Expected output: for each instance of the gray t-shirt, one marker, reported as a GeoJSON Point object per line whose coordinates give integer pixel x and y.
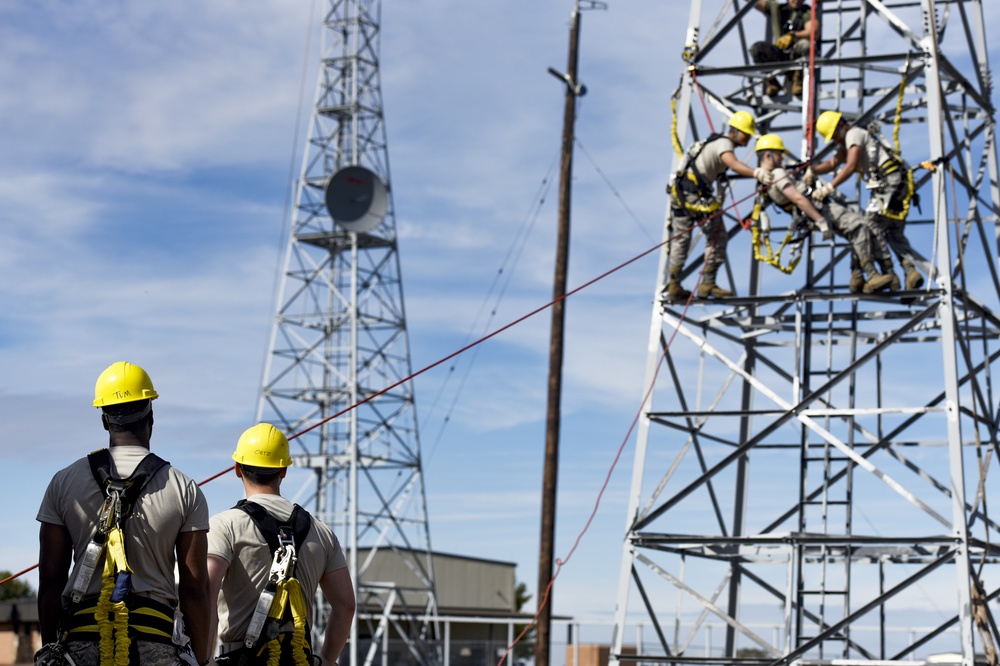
{"type": "Point", "coordinates": [237, 540]}
{"type": "Point", "coordinates": [871, 147]}
{"type": "Point", "coordinates": [781, 181]}
{"type": "Point", "coordinates": [709, 161]}
{"type": "Point", "coordinates": [170, 504]}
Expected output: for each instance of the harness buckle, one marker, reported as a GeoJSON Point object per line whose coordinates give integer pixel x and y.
{"type": "Point", "coordinates": [284, 557]}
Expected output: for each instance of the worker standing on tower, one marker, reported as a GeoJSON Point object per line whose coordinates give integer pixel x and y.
{"type": "Point", "coordinates": [268, 556]}
{"type": "Point", "coordinates": [789, 193]}
{"type": "Point", "coordinates": [885, 173]}
{"type": "Point", "coordinates": [793, 30]}
{"type": "Point", "coordinates": [123, 517]}
{"type": "Point", "coordinates": [696, 191]}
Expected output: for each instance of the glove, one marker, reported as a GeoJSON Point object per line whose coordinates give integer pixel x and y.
{"type": "Point", "coordinates": [809, 177]}
{"type": "Point", "coordinates": [763, 176]}
{"type": "Point", "coordinates": [824, 226]}
{"type": "Point", "coordinates": [784, 41]}
{"type": "Point", "coordinates": [822, 191]}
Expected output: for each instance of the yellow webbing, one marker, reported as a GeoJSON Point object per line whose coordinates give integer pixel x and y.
{"type": "Point", "coordinates": [289, 592]}
{"type": "Point", "coordinates": [673, 127]}
{"type": "Point", "coordinates": [114, 644]}
{"type": "Point", "coordinates": [768, 256]}
{"type": "Point", "coordinates": [694, 208]}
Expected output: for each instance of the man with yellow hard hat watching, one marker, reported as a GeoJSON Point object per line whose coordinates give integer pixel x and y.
{"type": "Point", "coordinates": [267, 556]}
{"type": "Point", "coordinates": [122, 517]}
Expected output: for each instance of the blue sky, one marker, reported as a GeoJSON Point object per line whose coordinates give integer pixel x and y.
{"type": "Point", "coordinates": [144, 183]}
{"type": "Point", "coordinates": [144, 179]}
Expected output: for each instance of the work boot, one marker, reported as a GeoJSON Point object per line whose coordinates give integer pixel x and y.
{"type": "Point", "coordinates": [708, 288]}
{"type": "Point", "coordinates": [914, 280]}
{"type": "Point", "coordinates": [796, 85]}
{"type": "Point", "coordinates": [772, 87]}
{"type": "Point", "coordinates": [857, 283]}
{"type": "Point", "coordinates": [887, 270]}
{"type": "Point", "coordinates": [876, 281]}
{"type": "Point", "coordinates": [674, 292]}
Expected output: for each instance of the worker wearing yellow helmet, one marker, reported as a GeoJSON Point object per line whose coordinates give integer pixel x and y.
{"type": "Point", "coordinates": [789, 193]}
{"type": "Point", "coordinates": [125, 517]}
{"type": "Point", "coordinates": [696, 190]}
{"type": "Point", "coordinates": [887, 177]}
{"type": "Point", "coordinates": [266, 558]}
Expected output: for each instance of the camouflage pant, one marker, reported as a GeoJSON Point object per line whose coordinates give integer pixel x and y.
{"type": "Point", "coordinates": [682, 227]}
{"type": "Point", "coordinates": [855, 227]}
{"type": "Point", "coordinates": [88, 653]}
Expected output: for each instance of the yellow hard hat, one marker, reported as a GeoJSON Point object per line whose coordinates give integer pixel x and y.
{"type": "Point", "coordinates": [770, 142]}
{"type": "Point", "coordinates": [827, 123]}
{"type": "Point", "coordinates": [123, 382]}
{"type": "Point", "coordinates": [262, 445]}
{"type": "Point", "coordinates": [744, 122]}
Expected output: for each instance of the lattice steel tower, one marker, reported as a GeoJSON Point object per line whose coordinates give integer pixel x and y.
{"type": "Point", "coordinates": [340, 340]}
{"type": "Point", "coordinates": [812, 466]}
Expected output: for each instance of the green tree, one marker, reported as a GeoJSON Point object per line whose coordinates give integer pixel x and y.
{"type": "Point", "coordinates": [751, 653]}
{"type": "Point", "coordinates": [14, 589]}
{"type": "Point", "coordinates": [525, 648]}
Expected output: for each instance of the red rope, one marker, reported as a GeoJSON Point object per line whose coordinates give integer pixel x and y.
{"type": "Point", "coordinates": [479, 341]}
{"type": "Point", "coordinates": [810, 118]}
{"type": "Point", "coordinates": [18, 574]}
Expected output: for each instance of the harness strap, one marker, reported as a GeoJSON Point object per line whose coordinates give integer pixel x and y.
{"type": "Point", "coordinates": [150, 620]}
{"type": "Point", "coordinates": [300, 523]}
{"type": "Point", "coordinates": [289, 601]}
{"type": "Point", "coordinates": [688, 168]}
{"type": "Point", "coordinates": [111, 612]}
{"type": "Point", "coordinates": [130, 488]}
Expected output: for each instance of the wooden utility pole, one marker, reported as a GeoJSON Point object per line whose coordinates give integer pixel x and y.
{"type": "Point", "coordinates": [551, 469]}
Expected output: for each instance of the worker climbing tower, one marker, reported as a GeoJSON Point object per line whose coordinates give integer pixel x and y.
{"type": "Point", "coordinates": [811, 481]}
{"type": "Point", "coordinates": [336, 377]}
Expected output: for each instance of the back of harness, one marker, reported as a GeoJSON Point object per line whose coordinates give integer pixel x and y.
{"type": "Point", "coordinates": [895, 203]}
{"type": "Point", "coordinates": [689, 181]}
{"type": "Point", "coordinates": [282, 599]}
{"type": "Point", "coordinates": [107, 617]}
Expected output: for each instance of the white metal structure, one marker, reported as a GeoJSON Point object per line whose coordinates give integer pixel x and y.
{"type": "Point", "coordinates": [337, 374]}
{"type": "Point", "coordinates": [807, 456]}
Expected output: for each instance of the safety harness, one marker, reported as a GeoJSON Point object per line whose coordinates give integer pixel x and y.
{"type": "Point", "coordinates": [760, 233]}
{"type": "Point", "coordinates": [116, 617]}
{"type": "Point", "coordinates": [689, 181]}
{"type": "Point", "coordinates": [282, 599]}
{"type": "Point", "coordinates": [894, 204]}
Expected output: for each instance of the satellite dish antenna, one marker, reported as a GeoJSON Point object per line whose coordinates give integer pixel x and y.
{"type": "Point", "coordinates": [356, 199]}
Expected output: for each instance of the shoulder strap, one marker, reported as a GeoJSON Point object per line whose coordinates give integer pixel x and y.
{"type": "Point", "coordinates": [299, 523]}
{"type": "Point", "coordinates": [130, 488]}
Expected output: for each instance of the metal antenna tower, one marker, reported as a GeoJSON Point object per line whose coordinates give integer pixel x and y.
{"type": "Point", "coordinates": [812, 466]}
{"type": "Point", "coordinates": [339, 347]}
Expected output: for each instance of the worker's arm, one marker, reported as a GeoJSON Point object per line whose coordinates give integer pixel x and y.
{"type": "Point", "coordinates": [761, 5]}
{"type": "Point", "coordinates": [217, 568]}
{"type": "Point", "coordinates": [808, 28]}
{"type": "Point", "coordinates": [55, 554]}
{"type": "Point", "coordinates": [802, 202]}
{"type": "Point", "coordinates": [828, 165]}
{"type": "Point", "coordinates": [339, 593]}
{"type": "Point", "coordinates": [192, 565]}
{"type": "Point", "coordinates": [850, 166]}
{"type": "Point", "coordinates": [734, 164]}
